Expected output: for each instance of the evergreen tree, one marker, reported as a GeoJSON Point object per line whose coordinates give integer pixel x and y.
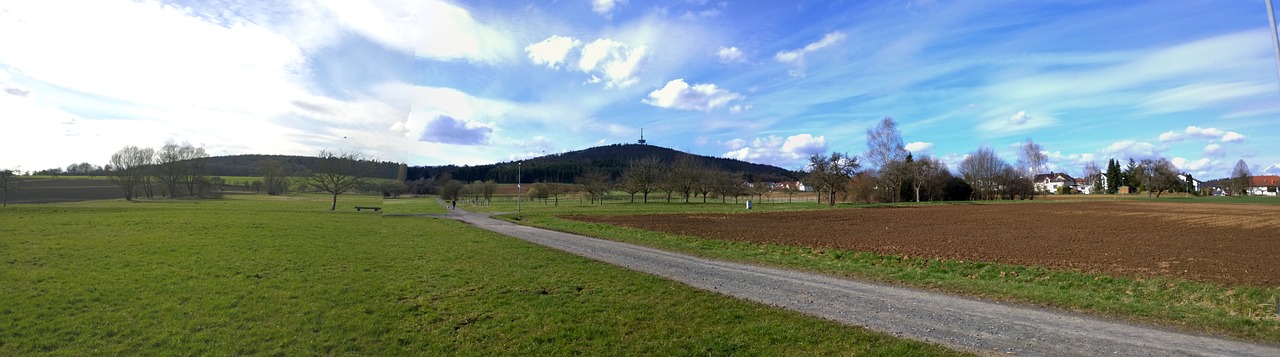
{"type": "Point", "coordinates": [1113, 176]}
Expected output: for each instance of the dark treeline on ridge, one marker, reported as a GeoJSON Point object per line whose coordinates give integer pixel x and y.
{"type": "Point", "coordinates": [611, 159]}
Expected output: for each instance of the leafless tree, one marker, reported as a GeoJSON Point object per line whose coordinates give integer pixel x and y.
{"type": "Point", "coordinates": [726, 185]}
{"type": "Point", "coordinates": [169, 168]}
{"type": "Point", "coordinates": [597, 183]}
{"type": "Point", "coordinates": [129, 169]}
{"type": "Point", "coordinates": [885, 154]}
{"type": "Point", "coordinates": [1031, 161]}
{"type": "Point", "coordinates": [831, 173]}
{"type": "Point", "coordinates": [337, 173]}
{"type": "Point", "coordinates": [684, 176]}
{"type": "Point", "coordinates": [642, 176]}
{"type": "Point", "coordinates": [193, 160]}
{"type": "Point", "coordinates": [1239, 182]}
{"type": "Point", "coordinates": [982, 169]}
{"type": "Point", "coordinates": [9, 181]}
{"type": "Point", "coordinates": [275, 176]}
{"type": "Point", "coordinates": [929, 174]}
{"type": "Point", "coordinates": [488, 189]}
{"type": "Point", "coordinates": [1092, 176]}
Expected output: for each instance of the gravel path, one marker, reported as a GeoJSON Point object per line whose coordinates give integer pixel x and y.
{"type": "Point", "coordinates": [960, 323]}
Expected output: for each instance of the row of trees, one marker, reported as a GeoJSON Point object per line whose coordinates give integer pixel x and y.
{"type": "Point", "coordinates": [164, 172]}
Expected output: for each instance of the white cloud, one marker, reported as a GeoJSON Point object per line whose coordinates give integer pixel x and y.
{"type": "Point", "coordinates": [1195, 132]}
{"type": "Point", "coordinates": [1202, 167]}
{"type": "Point", "coordinates": [431, 29]}
{"type": "Point", "coordinates": [551, 51]}
{"type": "Point", "coordinates": [735, 144]}
{"type": "Point", "coordinates": [919, 147]}
{"type": "Point", "coordinates": [730, 55]}
{"type": "Point", "coordinates": [1214, 150]}
{"type": "Point", "coordinates": [1204, 133]}
{"type": "Point", "coordinates": [1199, 95]}
{"type": "Point", "coordinates": [738, 108]}
{"type": "Point", "coordinates": [1130, 149]}
{"type": "Point", "coordinates": [1232, 137]}
{"type": "Point", "coordinates": [680, 95]}
{"type": "Point", "coordinates": [796, 57]}
{"type": "Point", "coordinates": [792, 152]}
{"type": "Point", "coordinates": [611, 62]}
{"type": "Point", "coordinates": [1170, 136]}
{"type": "Point", "coordinates": [1019, 118]}
{"type": "Point", "coordinates": [605, 7]}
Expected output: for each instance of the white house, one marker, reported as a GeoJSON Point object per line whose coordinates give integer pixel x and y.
{"type": "Point", "coordinates": [1050, 182]}
{"type": "Point", "coordinates": [1264, 185]}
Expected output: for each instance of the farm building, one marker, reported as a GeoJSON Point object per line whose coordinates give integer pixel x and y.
{"type": "Point", "coordinates": [1050, 182]}
{"type": "Point", "coordinates": [1264, 185]}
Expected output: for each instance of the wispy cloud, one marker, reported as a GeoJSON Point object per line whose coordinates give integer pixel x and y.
{"type": "Point", "coordinates": [795, 57]}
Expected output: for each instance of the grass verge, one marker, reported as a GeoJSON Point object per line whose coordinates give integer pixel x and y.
{"type": "Point", "coordinates": [1247, 312]}
{"type": "Point", "coordinates": [283, 275]}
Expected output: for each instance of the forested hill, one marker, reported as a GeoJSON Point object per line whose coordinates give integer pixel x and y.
{"type": "Point", "coordinates": [247, 165]}
{"type": "Point", "coordinates": [612, 159]}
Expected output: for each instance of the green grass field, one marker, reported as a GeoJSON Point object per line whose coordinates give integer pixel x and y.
{"type": "Point", "coordinates": [283, 275]}
{"type": "Point", "coordinates": [1247, 312]}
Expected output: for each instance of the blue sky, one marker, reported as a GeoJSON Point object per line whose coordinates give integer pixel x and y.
{"type": "Point", "coordinates": [431, 82]}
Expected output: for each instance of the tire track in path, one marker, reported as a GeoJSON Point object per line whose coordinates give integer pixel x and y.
{"type": "Point", "coordinates": [960, 323]}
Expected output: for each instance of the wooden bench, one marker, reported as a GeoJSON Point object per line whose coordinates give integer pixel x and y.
{"type": "Point", "coordinates": [375, 209]}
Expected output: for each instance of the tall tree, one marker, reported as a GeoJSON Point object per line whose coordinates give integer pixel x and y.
{"type": "Point", "coordinates": [886, 155]}
{"type": "Point", "coordinates": [1091, 173]}
{"type": "Point", "coordinates": [1031, 161]}
{"type": "Point", "coordinates": [129, 169]}
{"type": "Point", "coordinates": [169, 168]}
{"type": "Point", "coordinates": [9, 181]}
{"type": "Point", "coordinates": [596, 183]}
{"type": "Point", "coordinates": [193, 161]}
{"type": "Point", "coordinates": [1132, 176]}
{"type": "Point", "coordinates": [928, 174]}
{"type": "Point", "coordinates": [1113, 176]}
{"type": "Point", "coordinates": [337, 173]}
{"type": "Point", "coordinates": [642, 176]}
{"type": "Point", "coordinates": [1239, 184]}
{"type": "Point", "coordinates": [983, 171]}
{"type": "Point", "coordinates": [1161, 176]}
{"type": "Point", "coordinates": [831, 173]}
{"type": "Point", "coordinates": [275, 176]}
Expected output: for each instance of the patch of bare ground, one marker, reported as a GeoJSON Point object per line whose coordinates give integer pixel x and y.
{"type": "Point", "coordinates": [1221, 243]}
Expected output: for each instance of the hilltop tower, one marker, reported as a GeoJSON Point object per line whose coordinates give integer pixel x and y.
{"type": "Point", "coordinates": [642, 142]}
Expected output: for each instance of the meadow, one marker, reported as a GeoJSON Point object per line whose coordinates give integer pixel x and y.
{"type": "Point", "coordinates": [1238, 310]}
{"type": "Point", "coordinates": [253, 274]}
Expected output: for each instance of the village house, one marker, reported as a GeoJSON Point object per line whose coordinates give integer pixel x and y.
{"type": "Point", "coordinates": [1264, 185]}
{"type": "Point", "coordinates": [1050, 182]}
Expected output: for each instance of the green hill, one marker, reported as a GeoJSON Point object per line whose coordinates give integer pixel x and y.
{"type": "Point", "coordinates": [612, 159]}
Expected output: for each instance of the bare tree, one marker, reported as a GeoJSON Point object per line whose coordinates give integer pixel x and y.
{"type": "Point", "coordinates": [596, 183]}
{"type": "Point", "coordinates": [275, 176]}
{"type": "Point", "coordinates": [831, 173]}
{"type": "Point", "coordinates": [9, 181]}
{"type": "Point", "coordinates": [1092, 176]}
{"type": "Point", "coordinates": [885, 153]}
{"type": "Point", "coordinates": [927, 173]}
{"type": "Point", "coordinates": [337, 173]}
{"type": "Point", "coordinates": [193, 160]}
{"type": "Point", "coordinates": [642, 176]}
{"type": "Point", "coordinates": [169, 168]}
{"type": "Point", "coordinates": [982, 169]}
{"type": "Point", "coordinates": [488, 189]}
{"type": "Point", "coordinates": [1031, 161]}
{"type": "Point", "coordinates": [685, 175]}
{"type": "Point", "coordinates": [129, 169]}
{"type": "Point", "coordinates": [1239, 183]}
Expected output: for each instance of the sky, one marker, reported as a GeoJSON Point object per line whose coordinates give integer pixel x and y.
{"type": "Point", "coordinates": [478, 82]}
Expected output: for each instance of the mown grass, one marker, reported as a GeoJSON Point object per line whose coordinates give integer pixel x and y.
{"type": "Point", "coordinates": [1247, 312]}
{"type": "Point", "coordinates": [253, 274]}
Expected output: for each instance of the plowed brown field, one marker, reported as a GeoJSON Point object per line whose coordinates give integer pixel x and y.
{"type": "Point", "coordinates": [1223, 243]}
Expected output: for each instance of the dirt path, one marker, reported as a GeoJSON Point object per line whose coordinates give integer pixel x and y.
{"type": "Point", "coordinates": [965, 324]}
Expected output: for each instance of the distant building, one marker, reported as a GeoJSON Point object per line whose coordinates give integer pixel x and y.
{"type": "Point", "coordinates": [642, 142]}
{"type": "Point", "coordinates": [1264, 185]}
{"type": "Point", "coordinates": [1050, 182]}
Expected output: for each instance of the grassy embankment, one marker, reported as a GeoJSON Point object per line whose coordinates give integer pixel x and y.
{"type": "Point", "coordinates": [283, 275]}
{"type": "Point", "coordinates": [1248, 312]}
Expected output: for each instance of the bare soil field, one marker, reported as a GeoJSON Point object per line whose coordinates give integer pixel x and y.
{"type": "Point", "coordinates": [1222, 243]}
{"type": "Point", "coordinates": [64, 190]}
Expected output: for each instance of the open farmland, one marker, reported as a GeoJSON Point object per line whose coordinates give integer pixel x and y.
{"type": "Point", "coordinates": [1220, 243]}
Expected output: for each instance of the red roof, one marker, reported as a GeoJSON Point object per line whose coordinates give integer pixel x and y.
{"type": "Point", "coordinates": [1264, 181]}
